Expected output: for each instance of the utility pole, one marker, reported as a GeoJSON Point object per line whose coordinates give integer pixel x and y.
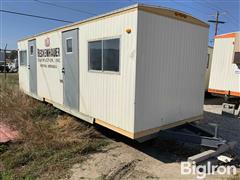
{"type": "Point", "coordinates": [5, 62]}
{"type": "Point", "coordinates": [216, 21]}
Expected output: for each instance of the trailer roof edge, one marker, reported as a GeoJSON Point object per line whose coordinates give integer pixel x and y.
{"type": "Point", "coordinates": [144, 7]}
{"type": "Point", "coordinates": [227, 35]}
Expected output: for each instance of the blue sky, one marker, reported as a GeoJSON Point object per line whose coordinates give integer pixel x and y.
{"type": "Point", "coordinates": [14, 27]}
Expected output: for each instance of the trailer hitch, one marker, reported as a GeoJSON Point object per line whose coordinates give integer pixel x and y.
{"type": "Point", "coordinates": [191, 133]}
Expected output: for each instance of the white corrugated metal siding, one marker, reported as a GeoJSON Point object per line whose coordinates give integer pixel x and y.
{"type": "Point", "coordinates": [48, 79]}
{"type": "Point", "coordinates": [224, 74]}
{"type": "Point", "coordinates": [110, 96]}
{"type": "Point", "coordinates": [171, 62]}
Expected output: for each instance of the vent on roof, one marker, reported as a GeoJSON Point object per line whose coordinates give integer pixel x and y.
{"type": "Point", "coordinates": [181, 15]}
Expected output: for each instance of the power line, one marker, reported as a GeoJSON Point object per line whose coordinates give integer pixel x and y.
{"type": "Point", "coordinates": [216, 22]}
{"type": "Point", "coordinates": [64, 7]}
{"type": "Point", "coordinates": [35, 16]}
{"type": "Point", "coordinates": [211, 6]}
{"type": "Point", "coordinates": [231, 18]}
{"type": "Point", "coordinates": [191, 7]}
{"type": "Point", "coordinates": [133, 1]}
{"type": "Point", "coordinates": [216, 8]}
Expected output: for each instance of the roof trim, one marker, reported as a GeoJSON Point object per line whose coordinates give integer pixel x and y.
{"type": "Point", "coordinates": [229, 35]}
{"type": "Point", "coordinates": [171, 13]}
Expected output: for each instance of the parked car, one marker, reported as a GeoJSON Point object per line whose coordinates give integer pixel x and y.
{"type": "Point", "coordinates": [13, 67]}
{"type": "Point", "coordinates": [2, 67]}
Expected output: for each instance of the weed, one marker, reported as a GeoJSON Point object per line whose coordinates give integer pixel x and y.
{"type": "Point", "coordinates": [5, 176]}
{"type": "Point", "coordinates": [102, 177]}
{"type": "Point", "coordinates": [235, 177]}
{"type": "Point", "coordinates": [44, 110]}
{"type": "Point", "coordinates": [3, 148]}
{"type": "Point", "coordinates": [51, 142]}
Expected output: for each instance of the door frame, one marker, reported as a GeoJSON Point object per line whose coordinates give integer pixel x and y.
{"type": "Point", "coordinates": [63, 65]}
{"type": "Point", "coordinates": [34, 41]}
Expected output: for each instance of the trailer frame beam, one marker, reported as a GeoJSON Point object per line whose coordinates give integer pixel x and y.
{"type": "Point", "coordinates": [190, 133]}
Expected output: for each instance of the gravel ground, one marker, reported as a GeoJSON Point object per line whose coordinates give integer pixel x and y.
{"type": "Point", "coordinates": [229, 127]}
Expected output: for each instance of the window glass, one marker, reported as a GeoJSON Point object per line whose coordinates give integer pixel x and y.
{"type": "Point", "coordinates": [31, 50]}
{"type": "Point", "coordinates": [111, 55]}
{"type": "Point", "coordinates": [95, 55]}
{"type": "Point", "coordinates": [23, 58]}
{"type": "Point", "coordinates": [69, 45]}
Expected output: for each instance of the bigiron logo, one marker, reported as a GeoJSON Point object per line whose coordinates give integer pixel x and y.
{"type": "Point", "coordinates": [201, 171]}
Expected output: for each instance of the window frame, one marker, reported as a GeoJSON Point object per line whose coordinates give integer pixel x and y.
{"type": "Point", "coordinates": [103, 39]}
{"type": "Point", "coordinates": [20, 64]}
{"type": "Point", "coordinates": [66, 45]}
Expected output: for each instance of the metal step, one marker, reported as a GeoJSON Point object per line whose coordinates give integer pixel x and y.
{"type": "Point", "coordinates": [211, 153]}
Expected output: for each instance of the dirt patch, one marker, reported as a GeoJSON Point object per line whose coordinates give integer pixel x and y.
{"type": "Point", "coordinates": [123, 170]}
{"type": "Point", "coordinates": [121, 161]}
{"type": "Point", "coordinates": [159, 159]}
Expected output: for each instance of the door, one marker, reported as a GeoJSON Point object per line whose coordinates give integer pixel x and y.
{"type": "Point", "coordinates": [70, 69]}
{"type": "Point", "coordinates": [32, 66]}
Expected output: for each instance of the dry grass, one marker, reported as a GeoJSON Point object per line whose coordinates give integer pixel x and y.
{"type": "Point", "coordinates": [51, 141]}
{"type": "Point", "coordinates": [236, 177]}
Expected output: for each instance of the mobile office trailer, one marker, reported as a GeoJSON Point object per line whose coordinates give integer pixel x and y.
{"type": "Point", "coordinates": [225, 70]}
{"type": "Point", "coordinates": [208, 67]}
{"type": "Point", "coordinates": [135, 70]}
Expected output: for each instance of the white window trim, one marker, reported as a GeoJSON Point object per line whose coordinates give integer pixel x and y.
{"type": "Point", "coordinates": [66, 45]}
{"type": "Point", "coordinates": [20, 58]}
{"type": "Point", "coordinates": [102, 71]}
